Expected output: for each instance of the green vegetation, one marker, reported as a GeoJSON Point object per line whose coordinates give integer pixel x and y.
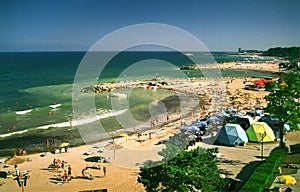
{"type": "Point", "coordinates": [295, 148]}
{"type": "Point", "coordinates": [286, 52]}
{"type": "Point", "coordinates": [188, 171]}
{"type": "Point", "coordinates": [290, 53]}
{"type": "Point", "coordinates": [283, 103]}
{"type": "Point", "coordinates": [263, 174]}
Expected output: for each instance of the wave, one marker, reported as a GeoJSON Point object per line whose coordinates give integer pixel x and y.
{"type": "Point", "coordinates": [13, 133]}
{"type": "Point", "coordinates": [69, 123]}
{"type": "Point", "coordinates": [55, 105]}
{"type": "Point", "coordinates": [23, 112]}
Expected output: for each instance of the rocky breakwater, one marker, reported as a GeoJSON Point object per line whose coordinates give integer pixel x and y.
{"type": "Point", "coordinates": [105, 87]}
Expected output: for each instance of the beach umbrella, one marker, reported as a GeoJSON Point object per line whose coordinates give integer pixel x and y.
{"type": "Point", "coordinates": [259, 108]}
{"type": "Point", "coordinates": [259, 82]}
{"type": "Point", "coordinates": [222, 115]}
{"type": "Point", "coordinates": [200, 124]}
{"type": "Point", "coordinates": [213, 119]}
{"type": "Point", "coordinates": [259, 129]}
{"type": "Point", "coordinates": [287, 179]}
{"type": "Point", "coordinates": [124, 135]}
{"type": "Point", "coordinates": [283, 84]}
{"type": "Point", "coordinates": [192, 128]}
{"type": "Point", "coordinates": [253, 113]}
{"type": "Point", "coordinates": [232, 134]}
{"type": "Point", "coordinates": [230, 110]}
{"type": "Point", "coordinates": [65, 144]}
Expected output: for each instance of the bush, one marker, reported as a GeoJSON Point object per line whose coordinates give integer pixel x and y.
{"type": "Point", "coordinates": [263, 174]}
{"type": "Point", "coordinates": [295, 148]}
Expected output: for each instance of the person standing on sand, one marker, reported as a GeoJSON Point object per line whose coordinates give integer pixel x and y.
{"type": "Point", "coordinates": [104, 171]}
{"type": "Point", "coordinates": [65, 177]}
{"type": "Point", "coordinates": [69, 172]}
{"type": "Point", "coordinates": [17, 171]}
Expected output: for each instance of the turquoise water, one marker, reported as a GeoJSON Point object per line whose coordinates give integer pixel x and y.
{"type": "Point", "coordinates": [36, 80]}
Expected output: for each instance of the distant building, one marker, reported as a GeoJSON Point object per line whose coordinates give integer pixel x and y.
{"type": "Point", "coordinates": [239, 50]}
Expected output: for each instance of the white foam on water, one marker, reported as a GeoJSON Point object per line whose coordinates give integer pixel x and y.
{"type": "Point", "coordinates": [14, 133]}
{"type": "Point", "coordinates": [23, 112]}
{"type": "Point", "coordinates": [74, 123]}
{"type": "Point", "coordinates": [55, 105]}
{"type": "Point", "coordinates": [84, 121]}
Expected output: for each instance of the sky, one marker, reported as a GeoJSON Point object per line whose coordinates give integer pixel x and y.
{"type": "Point", "coordinates": [76, 25]}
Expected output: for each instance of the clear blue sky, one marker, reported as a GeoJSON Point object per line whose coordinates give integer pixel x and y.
{"type": "Point", "coordinates": [41, 25]}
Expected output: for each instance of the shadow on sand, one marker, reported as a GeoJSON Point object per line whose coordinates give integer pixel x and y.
{"type": "Point", "coordinates": [243, 175]}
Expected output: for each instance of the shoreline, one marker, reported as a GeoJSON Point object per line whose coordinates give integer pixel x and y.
{"type": "Point", "coordinates": [181, 88]}
{"type": "Point", "coordinates": [67, 124]}
{"type": "Point", "coordinates": [238, 65]}
{"type": "Point", "coordinates": [118, 86]}
{"type": "Point", "coordinates": [119, 174]}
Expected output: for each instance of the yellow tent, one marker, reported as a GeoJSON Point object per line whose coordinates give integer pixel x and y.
{"type": "Point", "coordinates": [259, 130]}
{"type": "Point", "coordinates": [287, 179]}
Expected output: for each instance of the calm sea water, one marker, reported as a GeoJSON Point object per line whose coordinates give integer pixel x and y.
{"type": "Point", "coordinates": [35, 80]}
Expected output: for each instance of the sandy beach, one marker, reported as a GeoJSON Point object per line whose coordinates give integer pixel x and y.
{"type": "Point", "coordinates": [127, 156]}
{"type": "Point", "coordinates": [256, 66]}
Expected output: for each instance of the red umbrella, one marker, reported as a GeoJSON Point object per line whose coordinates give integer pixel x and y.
{"type": "Point", "coordinates": [259, 82]}
{"type": "Point", "coordinates": [266, 80]}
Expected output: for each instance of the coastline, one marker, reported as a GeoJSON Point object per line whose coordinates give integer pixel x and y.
{"type": "Point", "coordinates": [120, 176]}
{"type": "Point", "coordinates": [122, 85]}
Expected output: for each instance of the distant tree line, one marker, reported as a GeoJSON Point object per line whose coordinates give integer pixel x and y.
{"type": "Point", "coordinates": [286, 52]}
{"type": "Point", "coordinates": [290, 53]}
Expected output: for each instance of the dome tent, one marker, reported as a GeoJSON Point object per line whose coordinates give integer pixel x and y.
{"type": "Point", "coordinates": [259, 129]}
{"type": "Point", "coordinates": [232, 134]}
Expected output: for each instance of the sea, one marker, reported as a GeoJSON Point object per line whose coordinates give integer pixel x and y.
{"type": "Point", "coordinates": [36, 87]}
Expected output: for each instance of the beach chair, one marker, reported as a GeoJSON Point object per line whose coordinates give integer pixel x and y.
{"type": "Point", "coordinates": [56, 151]}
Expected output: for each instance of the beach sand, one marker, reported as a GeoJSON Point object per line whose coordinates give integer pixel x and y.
{"type": "Point", "coordinates": [122, 171]}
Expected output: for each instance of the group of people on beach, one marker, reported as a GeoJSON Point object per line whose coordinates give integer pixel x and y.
{"type": "Point", "coordinates": [66, 169]}
{"type": "Point", "coordinates": [22, 152]}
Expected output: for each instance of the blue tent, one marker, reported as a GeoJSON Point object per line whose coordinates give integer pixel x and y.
{"type": "Point", "coordinates": [232, 134]}
{"type": "Point", "coordinates": [191, 128]}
